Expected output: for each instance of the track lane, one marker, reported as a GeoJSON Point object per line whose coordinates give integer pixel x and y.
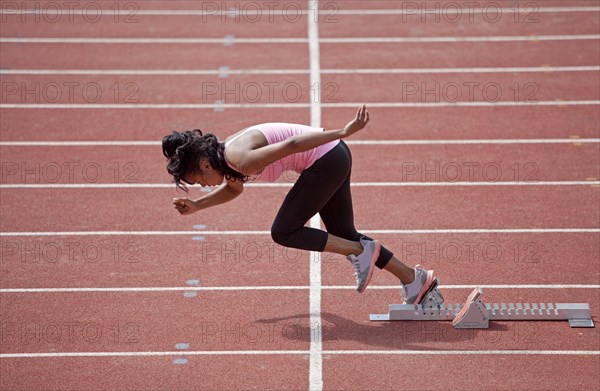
{"type": "Point", "coordinates": [158, 321]}
{"type": "Point", "coordinates": [462, 54]}
{"type": "Point", "coordinates": [293, 89]}
{"type": "Point", "coordinates": [466, 23]}
{"type": "Point", "coordinates": [162, 261]}
{"type": "Point", "coordinates": [472, 123]}
{"type": "Point", "coordinates": [371, 163]}
{"type": "Point", "coordinates": [375, 4]}
{"type": "Point", "coordinates": [254, 56]}
{"type": "Point", "coordinates": [136, 25]}
{"type": "Point", "coordinates": [291, 23]}
{"type": "Point", "coordinates": [130, 56]}
{"type": "Point", "coordinates": [105, 89]}
{"type": "Point", "coordinates": [133, 373]}
{"type": "Point", "coordinates": [257, 261]}
{"type": "Point", "coordinates": [484, 259]}
{"type": "Point", "coordinates": [460, 372]}
{"type": "Point", "coordinates": [413, 208]}
{"type": "Point", "coordinates": [432, 4]}
{"type": "Point", "coordinates": [527, 88]}
{"type": "Point", "coordinates": [441, 123]}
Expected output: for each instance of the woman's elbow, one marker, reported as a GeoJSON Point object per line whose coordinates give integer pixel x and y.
{"type": "Point", "coordinates": [294, 145]}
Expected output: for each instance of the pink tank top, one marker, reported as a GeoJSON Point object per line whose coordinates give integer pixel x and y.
{"type": "Point", "coordinates": [275, 132]}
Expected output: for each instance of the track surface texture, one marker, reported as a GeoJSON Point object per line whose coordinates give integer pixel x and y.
{"type": "Point", "coordinates": [481, 161]}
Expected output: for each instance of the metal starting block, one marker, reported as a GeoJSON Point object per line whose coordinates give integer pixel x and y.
{"type": "Point", "coordinates": [475, 314]}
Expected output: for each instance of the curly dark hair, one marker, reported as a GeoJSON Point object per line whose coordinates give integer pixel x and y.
{"type": "Point", "coordinates": [184, 150]}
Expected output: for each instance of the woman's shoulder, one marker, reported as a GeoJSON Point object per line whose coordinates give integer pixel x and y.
{"type": "Point", "coordinates": [251, 138]}
{"type": "Point", "coordinates": [240, 132]}
{"type": "Point", "coordinates": [234, 135]}
{"type": "Point", "coordinates": [265, 131]}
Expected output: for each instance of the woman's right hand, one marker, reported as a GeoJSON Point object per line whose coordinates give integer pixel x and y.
{"type": "Point", "coordinates": [359, 122]}
{"type": "Point", "coordinates": [185, 206]}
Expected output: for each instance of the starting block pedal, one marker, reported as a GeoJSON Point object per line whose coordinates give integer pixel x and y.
{"type": "Point", "coordinates": [475, 314]}
{"type": "Point", "coordinates": [433, 299]}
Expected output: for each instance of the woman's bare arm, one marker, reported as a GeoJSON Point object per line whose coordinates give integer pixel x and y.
{"type": "Point", "coordinates": [224, 193]}
{"type": "Point", "coordinates": [220, 195]}
{"type": "Point", "coordinates": [250, 162]}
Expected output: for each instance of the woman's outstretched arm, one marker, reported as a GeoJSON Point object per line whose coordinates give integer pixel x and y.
{"type": "Point", "coordinates": [250, 162]}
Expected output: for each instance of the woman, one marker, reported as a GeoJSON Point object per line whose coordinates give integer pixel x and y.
{"type": "Point", "coordinates": [324, 163]}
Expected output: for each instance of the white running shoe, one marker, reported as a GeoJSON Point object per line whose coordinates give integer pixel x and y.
{"type": "Point", "coordinates": [425, 281]}
{"type": "Point", "coordinates": [364, 263]}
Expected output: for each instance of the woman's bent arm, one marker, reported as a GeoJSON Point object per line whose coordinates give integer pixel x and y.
{"type": "Point", "coordinates": [221, 195]}
{"type": "Point", "coordinates": [224, 193]}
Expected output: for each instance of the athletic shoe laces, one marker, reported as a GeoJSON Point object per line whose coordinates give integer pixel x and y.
{"type": "Point", "coordinates": [402, 293]}
{"type": "Point", "coordinates": [356, 264]}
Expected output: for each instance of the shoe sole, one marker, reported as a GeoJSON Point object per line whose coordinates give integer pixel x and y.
{"type": "Point", "coordinates": [373, 259]}
{"type": "Point", "coordinates": [428, 286]}
{"type": "Point", "coordinates": [431, 288]}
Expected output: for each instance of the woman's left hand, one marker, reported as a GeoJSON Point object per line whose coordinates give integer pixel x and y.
{"type": "Point", "coordinates": [185, 206]}
{"type": "Point", "coordinates": [360, 121]}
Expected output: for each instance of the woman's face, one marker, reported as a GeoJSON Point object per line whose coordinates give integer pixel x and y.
{"type": "Point", "coordinates": [207, 176]}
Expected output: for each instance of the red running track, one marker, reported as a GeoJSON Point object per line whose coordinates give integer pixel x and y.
{"type": "Point", "coordinates": [403, 208]}
{"type": "Point", "coordinates": [251, 55]}
{"type": "Point", "coordinates": [523, 163]}
{"type": "Point", "coordinates": [170, 261]}
{"type": "Point", "coordinates": [293, 89]}
{"type": "Point", "coordinates": [259, 334]}
{"type": "Point", "coordinates": [444, 123]}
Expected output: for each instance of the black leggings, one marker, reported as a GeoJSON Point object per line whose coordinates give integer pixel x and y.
{"type": "Point", "coordinates": [322, 188]}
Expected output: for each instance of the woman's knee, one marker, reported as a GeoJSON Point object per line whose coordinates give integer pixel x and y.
{"type": "Point", "coordinates": [280, 235]}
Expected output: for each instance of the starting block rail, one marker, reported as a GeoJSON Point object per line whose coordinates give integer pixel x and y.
{"type": "Point", "coordinates": [477, 314]}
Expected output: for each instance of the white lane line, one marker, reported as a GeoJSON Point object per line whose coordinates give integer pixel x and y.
{"type": "Point", "coordinates": [301, 352]}
{"type": "Point", "coordinates": [158, 106]}
{"type": "Point", "coordinates": [467, 352]}
{"type": "Point", "coordinates": [452, 9]}
{"type": "Point", "coordinates": [130, 143]}
{"type": "Point", "coordinates": [138, 143]}
{"type": "Point", "coordinates": [482, 286]}
{"type": "Point", "coordinates": [316, 342]}
{"type": "Point", "coordinates": [161, 72]}
{"type": "Point", "coordinates": [315, 375]}
{"type": "Point", "coordinates": [190, 72]}
{"type": "Point", "coordinates": [466, 104]}
{"type": "Point", "coordinates": [246, 12]}
{"type": "Point", "coordinates": [366, 231]}
{"type": "Point", "coordinates": [24, 186]}
{"type": "Point", "coordinates": [432, 39]}
{"type": "Point", "coordinates": [514, 183]}
{"type": "Point", "coordinates": [482, 231]}
{"type": "Point", "coordinates": [471, 141]}
{"type": "Point", "coordinates": [463, 70]}
{"type": "Point", "coordinates": [145, 354]}
{"type": "Point", "coordinates": [280, 288]}
{"type": "Point", "coordinates": [510, 38]}
{"type": "Point", "coordinates": [157, 40]}
{"type": "Point", "coordinates": [153, 289]}
{"type": "Point", "coordinates": [133, 233]}
{"type": "Point", "coordinates": [224, 106]}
